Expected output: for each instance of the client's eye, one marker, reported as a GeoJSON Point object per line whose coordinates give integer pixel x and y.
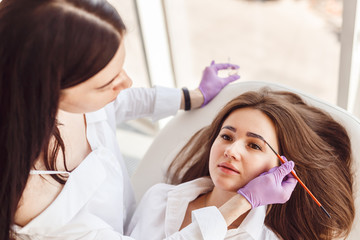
{"type": "Point", "coordinates": [225, 137]}
{"type": "Point", "coordinates": [254, 146]}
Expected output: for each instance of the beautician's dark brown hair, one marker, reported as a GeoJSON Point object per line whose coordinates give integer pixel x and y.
{"type": "Point", "coordinates": [45, 46]}
{"type": "Point", "coordinates": [320, 148]}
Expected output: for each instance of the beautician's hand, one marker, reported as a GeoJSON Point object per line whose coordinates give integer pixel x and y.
{"type": "Point", "coordinates": [274, 186]}
{"type": "Point", "coordinates": [211, 84]}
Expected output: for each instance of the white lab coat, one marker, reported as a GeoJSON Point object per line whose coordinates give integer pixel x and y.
{"type": "Point", "coordinates": [163, 207]}
{"type": "Point", "coordinates": [97, 200]}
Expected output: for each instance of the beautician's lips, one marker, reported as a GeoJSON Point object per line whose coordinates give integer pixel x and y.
{"type": "Point", "coordinates": [228, 166]}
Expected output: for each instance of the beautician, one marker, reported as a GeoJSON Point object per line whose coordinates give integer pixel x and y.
{"type": "Point", "coordinates": [63, 89]}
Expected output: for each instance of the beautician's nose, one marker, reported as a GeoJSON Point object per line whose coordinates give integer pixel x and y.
{"type": "Point", "coordinates": [124, 82]}
{"type": "Point", "coordinates": [233, 151]}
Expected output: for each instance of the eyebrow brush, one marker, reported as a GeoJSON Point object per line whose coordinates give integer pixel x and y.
{"type": "Point", "coordinates": [250, 134]}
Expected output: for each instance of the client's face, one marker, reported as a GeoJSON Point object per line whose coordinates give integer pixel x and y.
{"type": "Point", "coordinates": [236, 158]}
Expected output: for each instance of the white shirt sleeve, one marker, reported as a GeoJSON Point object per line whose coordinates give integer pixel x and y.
{"type": "Point", "coordinates": [157, 103]}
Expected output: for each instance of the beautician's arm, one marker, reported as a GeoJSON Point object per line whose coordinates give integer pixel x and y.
{"type": "Point", "coordinates": [196, 98]}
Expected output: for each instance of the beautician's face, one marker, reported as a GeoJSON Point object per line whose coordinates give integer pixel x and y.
{"type": "Point", "coordinates": [235, 158]}
{"type": "Point", "coordinates": [99, 90]}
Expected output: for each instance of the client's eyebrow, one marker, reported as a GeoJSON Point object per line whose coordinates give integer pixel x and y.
{"type": "Point", "coordinates": [254, 135]}
{"type": "Point", "coordinates": [229, 128]}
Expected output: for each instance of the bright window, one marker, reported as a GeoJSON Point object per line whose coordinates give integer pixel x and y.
{"type": "Point", "coordinates": [296, 43]}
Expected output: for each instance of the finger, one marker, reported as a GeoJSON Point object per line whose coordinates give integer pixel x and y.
{"type": "Point", "coordinates": [231, 78]}
{"type": "Point", "coordinates": [285, 159]}
{"type": "Point", "coordinates": [234, 66]}
{"type": "Point", "coordinates": [284, 169]}
{"type": "Point", "coordinates": [290, 181]}
{"type": "Point", "coordinates": [212, 63]}
{"type": "Point", "coordinates": [270, 171]}
{"type": "Point", "coordinates": [273, 169]}
{"type": "Point", "coordinates": [221, 66]}
{"type": "Point", "coordinates": [290, 177]}
{"type": "Point", "coordinates": [289, 165]}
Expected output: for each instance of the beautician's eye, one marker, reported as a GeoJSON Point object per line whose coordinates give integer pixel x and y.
{"type": "Point", "coordinates": [105, 88]}
{"type": "Point", "coordinates": [255, 146]}
{"type": "Point", "coordinates": [225, 137]}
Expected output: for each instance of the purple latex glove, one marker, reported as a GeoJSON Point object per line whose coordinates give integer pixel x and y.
{"type": "Point", "coordinates": [211, 84]}
{"type": "Point", "coordinates": [274, 186]}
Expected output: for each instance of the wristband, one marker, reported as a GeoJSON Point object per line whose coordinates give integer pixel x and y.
{"type": "Point", "coordinates": [186, 99]}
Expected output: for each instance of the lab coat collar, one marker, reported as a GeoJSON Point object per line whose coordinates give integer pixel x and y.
{"type": "Point", "coordinates": [92, 120]}
{"type": "Point", "coordinates": [182, 194]}
{"type": "Point", "coordinates": [179, 198]}
{"type": "Point", "coordinates": [97, 116]}
{"type": "Point", "coordinates": [254, 222]}
{"type": "Point", "coordinates": [81, 185]}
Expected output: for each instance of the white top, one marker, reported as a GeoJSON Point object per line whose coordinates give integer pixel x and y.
{"type": "Point", "coordinates": [97, 200]}
{"type": "Point", "coordinates": [163, 207]}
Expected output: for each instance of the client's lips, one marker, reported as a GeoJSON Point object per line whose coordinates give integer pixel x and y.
{"type": "Point", "coordinates": [228, 167]}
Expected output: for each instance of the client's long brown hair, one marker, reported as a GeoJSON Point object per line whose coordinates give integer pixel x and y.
{"type": "Point", "coordinates": [320, 148]}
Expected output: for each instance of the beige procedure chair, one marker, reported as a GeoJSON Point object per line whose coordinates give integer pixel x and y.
{"type": "Point", "coordinates": [178, 131]}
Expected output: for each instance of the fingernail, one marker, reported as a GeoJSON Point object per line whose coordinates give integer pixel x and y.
{"type": "Point", "coordinates": [291, 164]}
